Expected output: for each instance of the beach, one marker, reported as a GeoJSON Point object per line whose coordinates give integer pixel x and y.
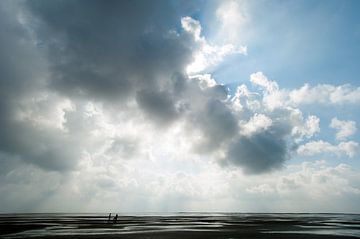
{"type": "Point", "coordinates": [180, 225]}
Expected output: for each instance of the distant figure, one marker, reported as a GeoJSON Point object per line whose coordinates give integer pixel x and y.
{"type": "Point", "coordinates": [109, 218]}
{"type": "Point", "coordinates": [115, 219]}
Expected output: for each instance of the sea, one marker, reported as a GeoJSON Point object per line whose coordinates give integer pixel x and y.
{"type": "Point", "coordinates": [180, 225]}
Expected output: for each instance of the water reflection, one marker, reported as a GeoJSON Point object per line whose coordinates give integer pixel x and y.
{"type": "Point", "coordinates": [206, 225]}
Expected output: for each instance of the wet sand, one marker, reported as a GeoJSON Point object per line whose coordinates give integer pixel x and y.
{"type": "Point", "coordinates": [181, 225]}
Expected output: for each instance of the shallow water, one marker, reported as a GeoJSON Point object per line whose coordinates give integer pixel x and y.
{"type": "Point", "coordinates": [181, 225]}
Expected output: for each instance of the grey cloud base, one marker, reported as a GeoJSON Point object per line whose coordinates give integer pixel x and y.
{"type": "Point", "coordinates": [252, 153]}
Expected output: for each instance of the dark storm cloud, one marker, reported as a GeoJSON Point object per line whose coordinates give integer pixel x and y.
{"type": "Point", "coordinates": [217, 123]}
{"type": "Point", "coordinates": [21, 69]}
{"type": "Point", "coordinates": [264, 150]}
{"type": "Point", "coordinates": [111, 49]}
{"type": "Point", "coordinates": [157, 105]}
{"type": "Point", "coordinates": [258, 153]}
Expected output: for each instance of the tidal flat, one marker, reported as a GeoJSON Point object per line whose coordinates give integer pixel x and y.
{"type": "Point", "coordinates": [180, 225]}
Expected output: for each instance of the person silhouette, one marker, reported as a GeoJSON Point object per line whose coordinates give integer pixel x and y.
{"type": "Point", "coordinates": [115, 219]}
{"type": "Point", "coordinates": [109, 218]}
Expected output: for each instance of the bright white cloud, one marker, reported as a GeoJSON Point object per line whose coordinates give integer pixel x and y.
{"type": "Point", "coordinates": [138, 186]}
{"type": "Point", "coordinates": [319, 181]}
{"type": "Point", "coordinates": [261, 189]}
{"type": "Point", "coordinates": [208, 55]}
{"type": "Point", "coordinates": [192, 26]}
{"type": "Point", "coordinates": [344, 128]}
{"type": "Point", "coordinates": [325, 94]}
{"type": "Point", "coordinates": [232, 17]}
{"type": "Point", "coordinates": [304, 128]}
{"type": "Point", "coordinates": [348, 148]}
{"type": "Point", "coordinates": [45, 110]}
{"type": "Point", "coordinates": [245, 99]}
{"type": "Point", "coordinates": [275, 97]}
{"type": "Point", "coordinates": [256, 124]}
{"type": "Point", "coordinates": [261, 80]}
{"type": "Point", "coordinates": [205, 80]}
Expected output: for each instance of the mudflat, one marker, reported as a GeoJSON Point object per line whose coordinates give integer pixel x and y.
{"type": "Point", "coordinates": [180, 225]}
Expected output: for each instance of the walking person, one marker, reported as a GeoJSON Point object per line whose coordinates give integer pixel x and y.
{"type": "Point", "coordinates": [115, 219]}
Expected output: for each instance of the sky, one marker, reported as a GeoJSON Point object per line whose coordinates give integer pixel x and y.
{"type": "Point", "coordinates": [169, 106]}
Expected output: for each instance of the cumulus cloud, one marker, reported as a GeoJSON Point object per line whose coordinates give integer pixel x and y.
{"type": "Point", "coordinates": [261, 80]}
{"type": "Point", "coordinates": [62, 63]}
{"type": "Point", "coordinates": [323, 94]}
{"type": "Point", "coordinates": [348, 148]}
{"type": "Point", "coordinates": [208, 55]}
{"type": "Point", "coordinates": [273, 97]}
{"type": "Point", "coordinates": [262, 189]}
{"type": "Point", "coordinates": [320, 180]}
{"type": "Point", "coordinates": [232, 16]}
{"type": "Point", "coordinates": [87, 86]}
{"type": "Point", "coordinates": [344, 128]}
{"type": "Point", "coordinates": [311, 186]}
{"type": "Point", "coordinates": [304, 128]}
{"type": "Point", "coordinates": [257, 123]}
{"type": "Point", "coordinates": [258, 153]}
{"type": "Point", "coordinates": [326, 94]}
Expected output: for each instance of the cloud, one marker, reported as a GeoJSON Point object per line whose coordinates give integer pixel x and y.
{"type": "Point", "coordinates": [322, 94]}
{"type": "Point", "coordinates": [261, 80]}
{"type": "Point", "coordinates": [311, 186]}
{"type": "Point", "coordinates": [31, 117]}
{"type": "Point", "coordinates": [320, 180]}
{"type": "Point", "coordinates": [89, 85]}
{"type": "Point", "coordinates": [325, 94]}
{"type": "Point", "coordinates": [273, 96]}
{"type": "Point", "coordinates": [76, 77]}
{"type": "Point", "coordinates": [172, 183]}
{"type": "Point", "coordinates": [157, 105]}
{"type": "Point", "coordinates": [192, 26]}
{"type": "Point", "coordinates": [232, 15]}
{"type": "Point", "coordinates": [259, 153]}
{"type": "Point", "coordinates": [208, 55]}
{"type": "Point", "coordinates": [257, 123]}
{"type": "Point", "coordinates": [305, 129]}
{"type": "Point", "coordinates": [262, 189]}
{"type": "Point", "coordinates": [348, 148]}
{"type": "Point", "coordinates": [217, 124]}
{"type": "Point", "coordinates": [97, 59]}
{"type": "Point", "coordinates": [97, 101]}
{"type": "Point", "coordinates": [344, 128]}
